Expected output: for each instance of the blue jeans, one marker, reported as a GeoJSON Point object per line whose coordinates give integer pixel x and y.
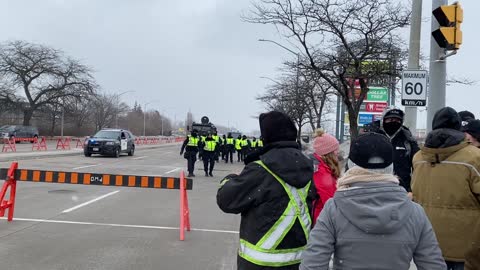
{"type": "Point", "coordinates": [455, 265]}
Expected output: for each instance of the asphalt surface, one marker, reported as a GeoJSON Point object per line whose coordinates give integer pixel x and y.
{"type": "Point", "coordinates": [77, 227]}
{"type": "Point", "coordinates": [130, 228]}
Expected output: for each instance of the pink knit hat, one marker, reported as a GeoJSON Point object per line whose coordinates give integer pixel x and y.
{"type": "Point", "coordinates": [325, 143]}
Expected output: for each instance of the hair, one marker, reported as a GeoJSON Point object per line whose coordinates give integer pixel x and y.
{"type": "Point", "coordinates": [332, 162]}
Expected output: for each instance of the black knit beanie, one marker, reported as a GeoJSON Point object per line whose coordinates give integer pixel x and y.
{"type": "Point", "coordinates": [276, 126]}
{"type": "Point", "coordinates": [371, 151]}
{"type": "Point", "coordinates": [446, 118]}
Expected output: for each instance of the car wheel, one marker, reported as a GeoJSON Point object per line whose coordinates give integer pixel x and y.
{"type": "Point", "coordinates": [132, 151]}
{"type": "Point", "coordinates": [87, 154]}
{"type": "Point", "coordinates": [117, 152]}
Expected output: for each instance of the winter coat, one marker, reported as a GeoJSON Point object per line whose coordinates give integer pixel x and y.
{"type": "Point", "coordinates": [372, 226]}
{"type": "Point", "coordinates": [472, 258]}
{"type": "Point", "coordinates": [261, 199]}
{"type": "Point", "coordinates": [404, 148]}
{"type": "Point", "coordinates": [446, 182]}
{"type": "Point", "coordinates": [325, 184]}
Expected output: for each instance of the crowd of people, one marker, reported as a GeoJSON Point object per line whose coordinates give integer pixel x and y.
{"type": "Point", "coordinates": [210, 148]}
{"type": "Point", "coordinates": [395, 202]}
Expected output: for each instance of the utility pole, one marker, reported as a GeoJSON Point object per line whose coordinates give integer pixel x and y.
{"type": "Point", "coordinates": [438, 72]}
{"type": "Point", "coordinates": [414, 59]}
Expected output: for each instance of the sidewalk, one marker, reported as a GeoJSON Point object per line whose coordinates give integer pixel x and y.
{"type": "Point", "coordinates": [23, 154]}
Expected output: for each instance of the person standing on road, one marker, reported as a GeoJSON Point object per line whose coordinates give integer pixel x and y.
{"type": "Point", "coordinates": [217, 140]}
{"type": "Point", "coordinates": [274, 194]}
{"type": "Point", "coordinates": [253, 145]}
{"type": "Point", "coordinates": [446, 182]}
{"type": "Point", "coordinates": [190, 146]}
{"type": "Point", "coordinates": [245, 147]}
{"type": "Point", "coordinates": [210, 149]}
{"type": "Point", "coordinates": [404, 144]}
{"type": "Point", "coordinates": [371, 223]}
{"type": "Point", "coordinates": [327, 169]}
{"type": "Point", "coordinates": [223, 146]}
{"type": "Point", "coordinates": [229, 148]}
{"type": "Point", "coordinates": [238, 148]}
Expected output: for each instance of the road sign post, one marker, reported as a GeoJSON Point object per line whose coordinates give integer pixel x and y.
{"type": "Point", "coordinates": [414, 88]}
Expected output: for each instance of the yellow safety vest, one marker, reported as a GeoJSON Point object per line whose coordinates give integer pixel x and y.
{"type": "Point", "coordinates": [203, 138]}
{"type": "Point", "coordinates": [210, 146]}
{"type": "Point", "coordinates": [253, 144]}
{"type": "Point", "coordinates": [260, 143]}
{"type": "Point", "coordinates": [192, 141]}
{"type": "Point", "coordinates": [266, 252]}
{"type": "Point", "coordinates": [230, 141]}
{"type": "Point", "coordinates": [216, 138]}
{"type": "Point", "coordinates": [244, 142]}
{"type": "Point", "coordinates": [238, 144]}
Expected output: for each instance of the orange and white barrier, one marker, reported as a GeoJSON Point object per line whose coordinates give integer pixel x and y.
{"type": "Point", "coordinates": [39, 145]}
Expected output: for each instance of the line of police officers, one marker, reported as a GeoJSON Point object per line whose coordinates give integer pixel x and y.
{"type": "Point", "coordinates": [210, 147]}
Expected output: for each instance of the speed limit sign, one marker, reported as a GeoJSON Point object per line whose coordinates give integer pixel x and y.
{"type": "Point", "coordinates": [414, 88]}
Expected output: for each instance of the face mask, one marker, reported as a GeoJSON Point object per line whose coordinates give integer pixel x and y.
{"type": "Point", "coordinates": [392, 127]}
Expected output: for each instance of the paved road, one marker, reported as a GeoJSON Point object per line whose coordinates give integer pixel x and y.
{"type": "Point", "coordinates": [127, 228]}
{"type": "Point", "coordinates": [131, 228]}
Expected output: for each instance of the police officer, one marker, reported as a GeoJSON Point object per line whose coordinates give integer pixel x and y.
{"type": "Point", "coordinates": [223, 146]}
{"type": "Point", "coordinates": [217, 139]}
{"type": "Point", "coordinates": [245, 147]}
{"type": "Point", "coordinates": [253, 145]}
{"type": "Point", "coordinates": [238, 148]}
{"type": "Point", "coordinates": [260, 143]}
{"type": "Point", "coordinates": [210, 148]}
{"type": "Point", "coordinates": [229, 148]}
{"type": "Point", "coordinates": [190, 146]}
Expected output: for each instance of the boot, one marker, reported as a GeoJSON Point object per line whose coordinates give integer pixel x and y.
{"type": "Point", "coordinates": [190, 175]}
{"type": "Point", "coordinates": [206, 174]}
{"type": "Point", "coordinates": [210, 174]}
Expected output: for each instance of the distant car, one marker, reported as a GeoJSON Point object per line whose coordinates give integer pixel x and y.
{"type": "Point", "coordinates": [19, 132]}
{"type": "Point", "coordinates": [111, 142]}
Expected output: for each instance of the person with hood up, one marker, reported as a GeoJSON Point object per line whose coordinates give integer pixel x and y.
{"type": "Point", "coordinates": [371, 223]}
{"type": "Point", "coordinates": [472, 132]}
{"type": "Point", "coordinates": [273, 194]}
{"type": "Point", "coordinates": [191, 146]}
{"type": "Point", "coordinates": [327, 171]}
{"type": "Point", "coordinates": [446, 182]}
{"type": "Point", "coordinates": [404, 144]}
{"type": "Point", "coordinates": [466, 116]}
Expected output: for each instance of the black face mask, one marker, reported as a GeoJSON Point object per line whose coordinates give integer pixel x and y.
{"type": "Point", "coordinates": [392, 127]}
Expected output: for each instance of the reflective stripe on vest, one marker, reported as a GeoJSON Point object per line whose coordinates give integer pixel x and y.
{"type": "Point", "coordinates": [192, 141]}
{"type": "Point", "coordinates": [244, 142]}
{"type": "Point", "coordinates": [265, 252]}
{"type": "Point", "coordinates": [230, 141]}
{"type": "Point", "coordinates": [210, 146]}
{"type": "Point", "coordinates": [216, 138]}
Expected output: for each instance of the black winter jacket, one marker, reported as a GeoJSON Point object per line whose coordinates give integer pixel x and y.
{"type": "Point", "coordinates": [261, 200]}
{"type": "Point", "coordinates": [404, 148]}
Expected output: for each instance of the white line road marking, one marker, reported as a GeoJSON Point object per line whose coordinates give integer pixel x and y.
{"type": "Point", "coordinates": [89, 202]}
{"type": "Point", "coordinates": [174, 170]}
{"type": "Point", "coordinates": [139, 157]}
{"type": "Point", "coordinates": [87, 166]}
{"type": "Point", "coordinates": [116, 225]}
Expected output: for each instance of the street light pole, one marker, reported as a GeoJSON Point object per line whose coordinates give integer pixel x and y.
{"type": "Point", "coordinates": [118, 105]}
{"type": "Point", "coordinates": [144, 114]}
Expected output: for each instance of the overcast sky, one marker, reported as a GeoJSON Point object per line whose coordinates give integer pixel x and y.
{"type": "Point", "coordinates": [193, 55]}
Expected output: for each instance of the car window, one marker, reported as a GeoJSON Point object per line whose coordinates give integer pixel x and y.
{"type": "Point", "coordinates": [107, 134]}
{"type": "Point", "coordinates": [123, 136]}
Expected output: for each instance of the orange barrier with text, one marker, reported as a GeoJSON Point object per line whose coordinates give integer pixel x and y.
{"type": "Point", "coordinates": [13, 174]}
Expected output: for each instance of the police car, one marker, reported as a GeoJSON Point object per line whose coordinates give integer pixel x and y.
{"type": "Point", "coordinates": [110, 142]}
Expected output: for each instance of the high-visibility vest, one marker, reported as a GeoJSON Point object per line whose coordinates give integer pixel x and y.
{"type": "Point", "coordinates": [253, 144]}
{"type": "Point", "coordinates": [260, 143]}
{"type": "Point", "coordinates": [203, 138]}
{"type": "Point", "coordinates": [216, 138]}
{"type": "Point", "coordinates": [230, 141]}
{"type": "Point", "coordinates": [238, 144]}
{"type": "Point", "coordinates": [210, 146]}
{"type": "Point", "coordinates": [265, 252]}
{"type": "Point", "coordinates": [244, 142]}
{"type": "Point", "coordinates": [192, 141]}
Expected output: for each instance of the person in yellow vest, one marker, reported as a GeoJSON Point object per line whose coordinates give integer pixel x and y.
{"type": "Point", "coordinates": [229, 148]}
{"type": "Point", "coordinates": [260, 143]}
{"type": "Point", "coordinates": [218, 140]}
{"type": "Point", "coordinates": [190, 146]}
{"type": "Point", "coordinates": [203, 136]}
{"type": "Point", "coordinates": [223, 147]}
{"type": "Point", "coordinates": [274, 195]}
{"type": "Point", "coordinates": [238, 148]}
{"type": "Point", "coordinates": [210, 148]}
{"type": "Point", "coordinates": [253, 145]}
{"type": "Point", "coordinates": [245, 146]}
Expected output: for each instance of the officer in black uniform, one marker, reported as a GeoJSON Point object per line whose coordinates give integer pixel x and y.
{"type": "Point", "coordinates": [191, 146]}
{"type": "Point", "coordinates": [210, 148]}
{"type": "Point", "coordinates": [229, 148]}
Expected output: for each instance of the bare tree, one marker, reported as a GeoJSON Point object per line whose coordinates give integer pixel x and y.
{"type": "Point", "coordinates": [104, 108]}
{"type": "Point", "coordinates": [40, 75]}
{"type": "Point", "coordinates": [343, 40]}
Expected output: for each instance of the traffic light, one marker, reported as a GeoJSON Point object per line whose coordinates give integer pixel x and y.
{"type": "Point", "coordinates": [449, 35]}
